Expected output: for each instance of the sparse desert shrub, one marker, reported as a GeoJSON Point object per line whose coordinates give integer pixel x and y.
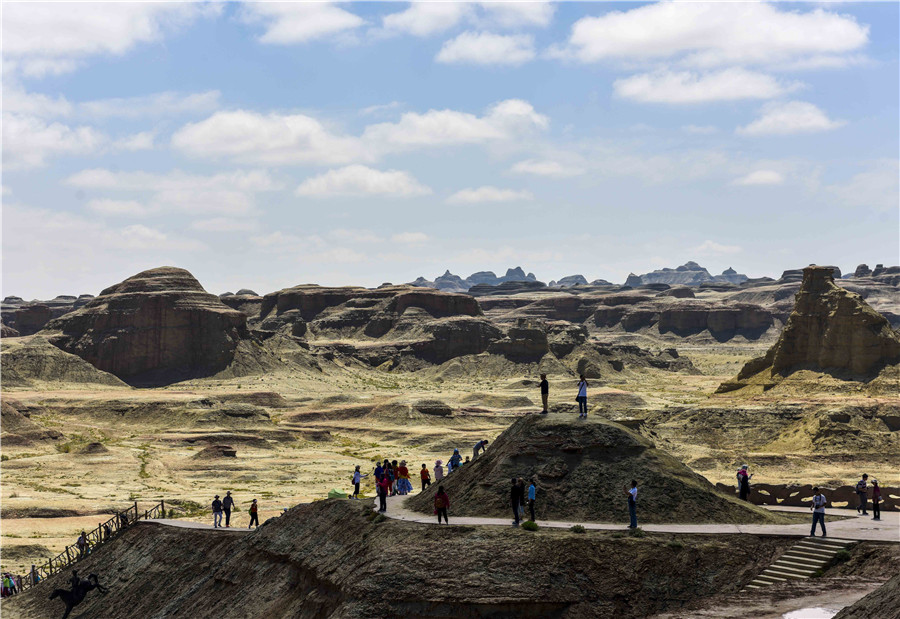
{"type": "Point", "coordinates": [530, 525]}
{"type": "Point", "coordinates": [64, 448]}
{"type": "Point", "coordinates": [818, 573]}
{"type": "Point", "coordinates": [841, 556]}
{"type": "Point", "coordinates": [638, 532]}
{"type": "Point", "coordinates": [577, 529]}
{"type": "Point", "coordinates": [379, 518]}
{"type": "Point", "coordinates": [675, 545]}
{"type": "Point", "coordinates": [618, 535]}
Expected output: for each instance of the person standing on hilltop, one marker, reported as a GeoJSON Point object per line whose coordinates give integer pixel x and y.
{"type": "Point", "coordinates": [254, 514]}
{"type": "Point", "coordinates": [217, 512]}
{"type": "Point", "coordinates": [632, 503]}
{"type": "Point", "coordinates": [743, 480]}
{"type": "Point", "coordinates": [227, 504]}
{"type": "Point", "coordinates": [438, 470]}
{"type": "Point", "coordinates": [545, 393]}
{"type": "Point", "coordinates": [426, 477]}
{"type": "Point", "coordinates": [515, 500]}
{"type": "Point", "coordinates": [818, 510]}
{"type": "Point", "coordinates": [357, 477]}
{"type": "Point", "coordinates": [862, 490]}
{"type": "Point", "coordinates": [582, 397]}
{"type": "Point", "coordinates": [441, 505]}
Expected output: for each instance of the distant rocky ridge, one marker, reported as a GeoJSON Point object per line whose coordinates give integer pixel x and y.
{"type": "Point", "coordinates": [454, 283]}
{"type": "Point", "coordinates": [28, 317]}
{"type": "Point", "coordinates": [688, 274]}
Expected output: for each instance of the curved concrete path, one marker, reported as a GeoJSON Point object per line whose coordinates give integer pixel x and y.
{"type": "Point", "coordinates": [853, 528]}
{"type": "Point", "coordinates": [187, 524]}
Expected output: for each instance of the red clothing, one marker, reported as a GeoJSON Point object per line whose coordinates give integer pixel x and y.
{"type": "Point", "coordinates": [441, 500]}
{"type": "Point", "coordinates": [425, 474]}
{"type": "Point", "coordinates": [876, 493]}
{"type": "Point", "coordinates": [402, 472]}
{"type": "Point", "coordinates": [385, 485]}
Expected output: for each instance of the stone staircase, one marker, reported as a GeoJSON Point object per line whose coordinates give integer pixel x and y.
{"type": "Point", "coordinates": [801, 561]}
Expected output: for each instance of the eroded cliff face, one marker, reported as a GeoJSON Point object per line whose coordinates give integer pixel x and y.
{"type": "Point", "coordinates": [157, 323]}
{"type": "Point", "coordinates": [830, 330]}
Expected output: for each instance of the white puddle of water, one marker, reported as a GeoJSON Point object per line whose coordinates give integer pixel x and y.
{"type": "Point", "coordinates": [812, 613]}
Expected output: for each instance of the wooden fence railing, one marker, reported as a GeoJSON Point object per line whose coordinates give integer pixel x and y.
{"type": "Point", "coordinates": [104, 532]}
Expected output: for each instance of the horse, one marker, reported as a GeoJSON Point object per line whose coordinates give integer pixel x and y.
{"type": "Point", "coordinates": [76, 595]}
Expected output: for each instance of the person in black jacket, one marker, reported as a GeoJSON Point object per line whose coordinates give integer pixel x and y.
{"type": "Point", "coordinates": [516, 497]}
{"type": "Point", "coordinates": [217, 512]}
{"type": "Point", "coordinates": [227, 504]}
{"type": "Point", "coordinates": [545, 392]}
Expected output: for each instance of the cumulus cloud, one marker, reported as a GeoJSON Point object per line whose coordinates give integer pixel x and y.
{"type": "Point", "coordinates": [488, 194]}
{"type": "Point", "coordinates": [712, 34]}
{"type": "Point", "coordinates": [424, 19]}
{"type": "Point", "coordinates": [761, 177]}
{"type": "Point", "coordinates": [131, 208]}
{"type": "Point", "coordinates": [788, 118]}
{"type": "Point", "coordinates": [684, 87]}
{"type": "Point", "coordinates": [28, 141]}
{"type": "Point", "coordinates": [519, 14]}
{"type": "Point", "coordinates": [548, 168]}
{"type": "Point", "coordinates": [359, 180]}
{"type": "Point", "coordinates": [485, 48]}
{"type": "Point", "coordinates": [288, 23]}
{"type": "Point", "coordinates": [711, 248]}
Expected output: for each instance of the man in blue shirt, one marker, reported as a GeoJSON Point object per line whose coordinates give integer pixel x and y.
{"type": "Point", "coordinates": [532, 492]}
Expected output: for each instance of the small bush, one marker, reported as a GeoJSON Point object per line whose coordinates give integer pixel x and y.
{"type": "Point", "coordinates": [676, 545]}
{"type": "Point", "coordinates": [64, 448]}
{"type": "Point", "coordinates": [530, 525]}
{"type": "Point", "coordinates": [4, 458]}
{"type": "Point", "coordinates": [841, 556]}
{"type": "Point", "coordinates": [618, 535]}
{"type": "Point", "coordinates": [577, 529]}
{"type": "Point", "coordinates": [638, 532]}
{"type": "Point", "coordinates": [818, 573]}
{"type": "Point", "coordinates": [379, 518]}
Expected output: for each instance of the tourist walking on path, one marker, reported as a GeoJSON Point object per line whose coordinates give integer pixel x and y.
{"type": "Point", "coordinates": [227, 504]}
{"type": "Point", "coordinates": [632, 503]}
{"type": "Point", "coordinates": [426, 477]}
{"type": "Point", "coordinates": [582, 397]}
{"type": "Point", "coordinates": [818, 510]}
{"type": "Point", "coordinates": [862, 492]}
{"type": "Point", "coordinates": [82, 544]}
{"type": "Point", "coordinates": [743, 480]}
{"type": "Point", "coordinates": [441, 505]}
{"type": "Point", "coordinates": [403, 482]}
{"type": "Point", "coordinates": [395, 477]}
{"type": "Point", "coordinates": [479, 447]}
{"type": "Point", "coordinates": [876, 500]}
{"type": "Point", "coordinates": [545, 393]}
{"type": "Point", "coordinates": [254, 514]}
{"type": "Point", "coordinates": [383, 487]}
{"type": "Point", "coordinates": [357, 477]}
{"type": "Point", "coordinates": [515, 500]}
{"type": "Point", "coordinates": [217, 512]}
{"type": "Point", "coordinates": [438, 470]}
{"type": "Point", "coordinates": [532, 494]}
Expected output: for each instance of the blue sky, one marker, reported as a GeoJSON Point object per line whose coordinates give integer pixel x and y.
{"type": "Point", "coordinates": [267, 145]}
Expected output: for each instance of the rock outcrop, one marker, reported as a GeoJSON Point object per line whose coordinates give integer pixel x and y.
{"type": "Point", "coordinates": [688, 274]}
{"type": "Point", "coordinates": [830, 330]}
{"type": "Point", "coordinates": [454, 283]}
{"type": "Point", "coordinates": [159, 325]}
{"type": "Point", "coordinates": [581, 468]}
{"type": "Point", "coordinates": [34, 362]}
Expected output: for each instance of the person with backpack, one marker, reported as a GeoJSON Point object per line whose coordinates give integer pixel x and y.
{"type": "Point", "coordinates": [254, 514]}
{"type": "Point", "coordinates": [818, 509]}
{"type": "Point", "coordinates": [582, 397]}
{"type": "Point", "coordinates": [441, 505]}
{"type": "Point", "coordinates": [876, 500]}
{"type": "Point", "coordinates": [862, 492]}
{"type": "Point", "coordinates": [545, 393]}
{"type": "Point", "coordinates": [227, 504]}
{"type": "Point", "coordinates": [426, 477]}
{"type": "Point", "coordinates": [217, 512]}
{"type": "Point", "coordinates": [743, 480]}
{"type": "Point", "coordinates": [357, 477]}
{"type": "Point", "coordinates": [632, 503]}
{"type": "Point", "coordinates": [379, 471]}
{"type": "Point", "coordinates": [515, 500]}
{"type": "Point", "coordinates": [383, 488]}
{"type": "Point", "coordinates": [532, 494]}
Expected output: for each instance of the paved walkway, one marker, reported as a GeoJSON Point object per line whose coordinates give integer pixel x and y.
{"type": "Point", "coordinates": [855, 527]}
{"type": "Point", "coordinates": [187, 524]}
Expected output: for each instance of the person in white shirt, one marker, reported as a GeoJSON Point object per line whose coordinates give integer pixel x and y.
{"type": "Point", "coordinates": [582, 397]}
{"type": "Point", "coordinates": [357, 477]}
{"type": "Point", "coordinates": [818, 509]}
{"type": "Point", "coordinates": [632, 503]}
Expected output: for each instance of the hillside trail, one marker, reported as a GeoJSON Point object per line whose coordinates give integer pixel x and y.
{"type": "Point", "coordinates": [850, 526]}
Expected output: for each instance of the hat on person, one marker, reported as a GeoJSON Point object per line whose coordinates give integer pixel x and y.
{"type": "Point", "coordinates": [744, 466]}
{"type": "Point", "coordinates": [229, 492]}
{"type": "Point", "coordinates": [438, 462]}
{"type": "Point", "coordinates": [403, 463]}
{"type": "Point", "coordinates": [217, 496]}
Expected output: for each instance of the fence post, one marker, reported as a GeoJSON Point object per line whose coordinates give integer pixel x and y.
{"type": "Point", "coordinates": [136, 515]}
{"type": "Point", "coordinates": [162, 509]}
{"type": "Point", "coordinates": [68, 556]}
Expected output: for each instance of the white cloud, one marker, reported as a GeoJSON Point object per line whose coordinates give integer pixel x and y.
{"type": "Point", "coordinates": [410, 238]}
{"type": "Point", "coordinates": [423, 19]}
{"type": "Point", "coordinates": [761, 177]}
{"type": "Point", "coordinates": [485, 48]}
{"type": "Point", "coordinates": [488, 194]}
{"type": "Point", "coordinates": [224, 224]}
{"type": "Point", "coordinates": [310, 249]}
{"type": "Point", "coordinates": [29, 141]}
{"type": "Point", "coordinates": [711, 248]}
{"type": "Point", "coordinates": [131, 208]}
{"type": "Point", "coordinates": [33, 104]}
{"type": "Point", "coordinates": [354, 236]}
{"type": "Point", "coordinates": [878, 187]}
{"type": "Point", "coordinates": [137, 141]}
{"type": "Point", "coordinates": [267, 139]}
{"type": "Point", "coordinates": [710, 34]}
{"type": "Point", "coordinates": [682, 87]}
{"type": "Point", "coordinates": [550, 169]}
{"type": "Point", "coordinates": [519, 14]}
{"type": "Point", "coordinates": [504, 120]}
{"type": "Point", "coordinates": [378, 109]}
{"type": "Point", "coordinates": [288, 23]}
{"type": "Point", "coordinates": [699, 129]}
{"type": "Point", "coordinates": [159, 105]}
{"type": "Point", "coordinates": [46, 38]}
{"type": "Point", "coordinates": [788, 118]}
{"type": "Point", "coordinates": [359, 180]}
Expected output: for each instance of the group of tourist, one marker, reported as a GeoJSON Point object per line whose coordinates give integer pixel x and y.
{"type": "Point", "coordinates": [581, 398]}
{"type": "Point", "coordinates": [11, 585]}
{"type": "Point", "coordinates": [224, 507]}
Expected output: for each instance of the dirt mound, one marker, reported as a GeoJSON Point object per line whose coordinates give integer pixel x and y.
{"type": "Point", "coordinates": [157, 326]}
{"type": "Point", "coordinates": [24, 552]}
{"type": "Point", "coordinates": [883, 602]}
{"type": "Point", "coordinates": [31, 361]}
{"type": "Point", "coordinates": [268, 399]}
{"type": "Point", "coordinates": [92, 449]}
{"type": "Point", "coordinates": [19, 429]}
{"type": "Point", "coordinates": [581, 467]}
{"type": "Point", "coordinates": [337, 559]}
{"type": "Point", "coordinates": [830, 330]}
{"type": "Point", "coordinates": [216, 451]}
